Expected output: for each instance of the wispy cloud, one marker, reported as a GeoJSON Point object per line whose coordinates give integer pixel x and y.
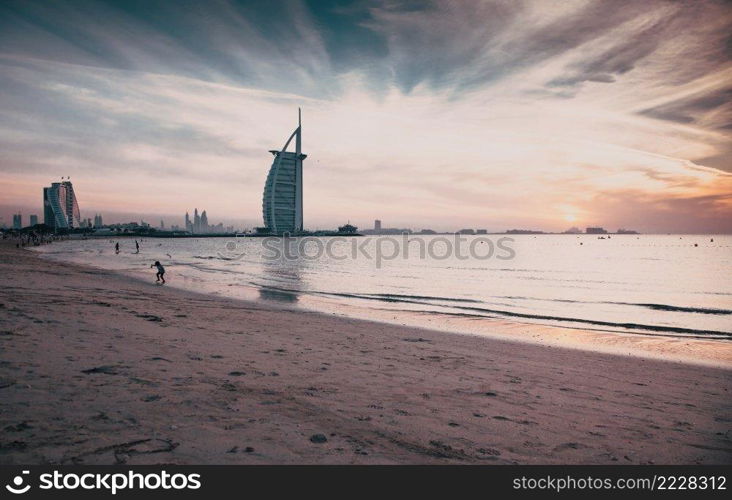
{"type": "Point", "coordinates": [491, 114]}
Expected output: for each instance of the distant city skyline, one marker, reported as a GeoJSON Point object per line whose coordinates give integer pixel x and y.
{"type": "Point", "coordinates": [59, 200]}
{"type": "Point", "coordinates": [441, 115]}
{"type": "Point", "coordinates": [228, 225]}
{"type": "Point", "coordinates": [249, 224]}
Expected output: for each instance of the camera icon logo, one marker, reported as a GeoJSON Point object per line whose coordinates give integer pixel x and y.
{"type": "Point", "coordinates": [232, 250]}
{"type": "Point", "coordinates": [17, 486]}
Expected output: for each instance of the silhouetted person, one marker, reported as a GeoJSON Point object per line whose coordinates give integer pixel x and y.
{"type": "Point", "coordinates": [137, 247]}
{"type": "Point", "coordinates": [161, 272]}
{"type": "Point", "coordinates": [116, 247]}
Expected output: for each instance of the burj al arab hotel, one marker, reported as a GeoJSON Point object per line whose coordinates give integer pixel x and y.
{"type": "Point", "coordinates": [282, 200]}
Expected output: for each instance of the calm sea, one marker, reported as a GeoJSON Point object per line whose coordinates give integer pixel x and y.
{"type": "Point", "coordinates": [676, 286]}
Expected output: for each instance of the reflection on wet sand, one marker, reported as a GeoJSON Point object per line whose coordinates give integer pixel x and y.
{"type": "Point", "coordinates": [287, 273]}
{"type": "Point", "coordinates": [277, 295]}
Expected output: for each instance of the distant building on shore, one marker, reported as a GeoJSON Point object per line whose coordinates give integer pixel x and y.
{"type": "Point", "coordinates": [347, 229]}
{"type": "Point", "coordinates": [481, 231]}
{"type": "Point", "coordinates": [282, 197]}
{"type": "Point", "coordinates": [466, 231]}
{"type": "Point", "coordinates": [129, 227]}
{"type": "Point", "coordinates": [34, 220]}
{"type": "Point", "coordinates": [626, 231]}
{"type": "Point", "coordinates": [98, 222]}
{"type": "Point", "coordinates": [595, 230]}
{"type": "Point", "coordinates": [17, 221]}
{"type": "Point", "coordinates": [199, 224]}
{"type": "Point", "coordinates": [60, 208]}
{"type": "Point", "coordinates": [379, 229]}
{"type": "Point", "coordinates": [573, 230]}
{"type": "Point", "coordinates": [387, 230]}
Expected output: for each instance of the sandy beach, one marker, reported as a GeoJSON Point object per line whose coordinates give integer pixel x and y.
{"type": "Point", "coordinates": [99, 368]}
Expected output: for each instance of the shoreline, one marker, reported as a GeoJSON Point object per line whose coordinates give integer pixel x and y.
{"type": "Point", "coordinates": [99, 367]}
{"type": "Point", "coordinates": [590, 337]}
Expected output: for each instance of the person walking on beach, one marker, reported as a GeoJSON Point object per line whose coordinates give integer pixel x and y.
{"type": "Point", "coordinates": [137, 247]}
{"type": "Point", "coordinates": [161, 272]}
{"type": "Point", "coordinates": [116, 247]}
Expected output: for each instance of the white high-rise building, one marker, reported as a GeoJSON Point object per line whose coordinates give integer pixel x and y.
{"type": "Point", "coordinates": [60, 208]}
{"type": "Point", "coordinates": [204, 223]}
{"type": "Point", "coordinates": [282, 199]}
{"type": "Point", "coordinates": [196, 221]}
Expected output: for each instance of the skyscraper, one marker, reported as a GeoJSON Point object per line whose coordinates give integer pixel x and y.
{"type": "Point", "coordinates": [196, 221]}
{"type": "Point", "coordinates": [282, 199]}
{"type": "Point", "coordinates": [189, 226]}
{"type": "Point", "coordinates": [60, 208]}
{"type": "Point", "coordinates": [33, 220]}
{"type": "Point", "coordinates": [17, 221]}
{"type": "Point", "coordinates": [204, 223]}
{"type": "Point", "coordinates": [98, 220]}
{"type": "Point", "coordinates": [377, 225]}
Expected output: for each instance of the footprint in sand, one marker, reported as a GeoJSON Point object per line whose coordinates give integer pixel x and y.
{"type": "Point", "coordinates": [569, 446]}
{"type": "Point", "coordinates": [487, 453]}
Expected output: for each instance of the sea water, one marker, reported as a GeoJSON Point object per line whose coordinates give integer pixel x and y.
{"type": "Point", "coordinates": [661, 285]}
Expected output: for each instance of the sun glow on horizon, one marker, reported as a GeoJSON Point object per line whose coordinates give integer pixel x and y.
{"type": "Point", "coordinates": [441, 129]}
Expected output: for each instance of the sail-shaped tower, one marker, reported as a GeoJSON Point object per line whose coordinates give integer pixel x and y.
{"type": "Point", "coordinates": [282, 199]}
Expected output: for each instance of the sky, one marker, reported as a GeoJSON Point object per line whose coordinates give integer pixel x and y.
{"type": "Point", "coordinates": [425, 114]}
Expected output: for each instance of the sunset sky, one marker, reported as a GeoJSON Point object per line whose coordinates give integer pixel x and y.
{"type": "Point", "coordinates": [518, 114]}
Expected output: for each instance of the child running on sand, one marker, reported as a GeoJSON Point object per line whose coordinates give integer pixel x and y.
{"type": "Point", "coordinates": [161, 271]}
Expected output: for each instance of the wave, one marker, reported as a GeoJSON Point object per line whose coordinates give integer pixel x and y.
{"type": "Point", "coordinates": [214, 257]}
{"type": "Point", "coordinates": [627, 326]}
{"type": "Point", "coordinates": [546, 317]}
{"type": "Point", "coordinates": [666, 307]}
{"type": "Point", "coordinates": [418, 297]}
{"type": "Point", "coordinates": [653, 330]}
{"type": "Point", "coordinates": [415, 299]}
{"type": "Point", "coordinates": [657, 307]}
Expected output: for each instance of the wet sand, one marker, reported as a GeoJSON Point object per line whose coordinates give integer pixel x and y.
{"type": "Point", "coordinates": [98, 368]}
